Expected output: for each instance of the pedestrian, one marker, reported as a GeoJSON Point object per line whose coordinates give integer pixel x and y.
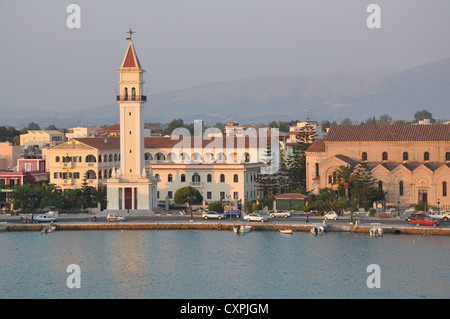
{"type": "Point", "coordinates": [307, 218]}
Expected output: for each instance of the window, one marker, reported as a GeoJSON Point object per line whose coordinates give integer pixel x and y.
{"type": "Point", "coordinates": [334, 177]}
{"type": "Point", "coordinates": [183, 178]}
{"type": "Point", "coordinates": [222, 178]}
{"type": "Point", "coordinates": [76, 175]}
{"type": "Point", "coordinates": [385, 156]}
{"type": "Point", "coordinates": [363, 157]}
{"type": "Point", "coordinates": [169, 178]}
{"type": "Point", "coordinates": [209, 178]}
{"type": "Point", "coordinates": [169, 194]}
{"type": "Point", "coordinates": [195, 178]}
{"type": "Point", "coordinates": [235, 195]}
{"type": "Point", "coordinates": [317, 170]}
{"type": "Point", "coordinates": [447, 156]}
{"type": "Point", "coordinates": [157, 194]}
{"type": "Point", "coordinates": [157, 177]}
{"type": "Point", "coordinates": [208, 195]}
{"type": "Point", "coordinates": [57, 159]}
{"type": "Point", "coordinates": [235, 178]}
{"type": "Point", "coordinates": [380, 186]}
{"type": "Point", "coordinates": [405, 156]}
{"type": "Point", "coordinates": [444, 189]}
{"type": "Point", "coordinates": [222, 195]}
{"type": "Point", "coordinates": [426, 156]}
{"type": "Point", "coordinates": [400, 188]}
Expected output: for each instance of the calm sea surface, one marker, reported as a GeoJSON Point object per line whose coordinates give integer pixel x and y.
{"type": "Point", "coordinates": [220, 264]}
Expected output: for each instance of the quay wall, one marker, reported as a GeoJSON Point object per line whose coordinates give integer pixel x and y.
{"type": "Point", "coordinates": [226, 226]}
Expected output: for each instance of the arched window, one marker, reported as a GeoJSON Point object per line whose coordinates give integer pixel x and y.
{"type": "Point", "coordinates": [235, 178]}
{"type": "Point", "coordinates": [209, 178]}
{"type": "Point", "coordinates": [400, 188]}
{"type": "Point", "coordinates": [57, 159]}
{"type": "Point", "coordinates": [157, 177]}
{"type": "Point", "coordinates": [133, 94]}
{"type": "Point", "coordinates": [195, 178]}
{"type": "Point", "coordinates": [169, 178]}
{"type": "Point", "coordinates": [90, 159]}
{"type": "Point", "coordinates": [222, 178]}
{"type": "Point", "coordinates": [444, 189]}
{"type": "Point", "coordinates": [385, 156]}
{"type": "Point", "coordinates": [183, 178]}
{"type": "Point", "coordinates": [125, 94]}
{"type": "Point", "coordinates": [334, 177]}
{"type": "Point", "coordinates": [364, 156]}
{"type": "Point", "coordinates": [405, 156]}
{"type": "Point", "coordinates": [426, 156]}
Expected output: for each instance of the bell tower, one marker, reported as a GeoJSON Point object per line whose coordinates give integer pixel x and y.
{"type": "Point", "coordinates": [131, 187]}
{"type": "Point", "coordinates": [131, 103]}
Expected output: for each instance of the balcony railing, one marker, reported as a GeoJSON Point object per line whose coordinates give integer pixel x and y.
{"type": "Point", "coordinates": [139, 98]}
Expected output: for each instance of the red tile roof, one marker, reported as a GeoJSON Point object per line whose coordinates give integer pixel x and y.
{"type": "Point", "coordinates": [389, 132]}
{"type": "Point", "coordinates": [317, 146]}
{"type": "Point", "coordinates": [159, 142]}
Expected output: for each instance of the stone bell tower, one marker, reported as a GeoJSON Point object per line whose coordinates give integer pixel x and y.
{"type": "Point", "coordinates": [131, 187]}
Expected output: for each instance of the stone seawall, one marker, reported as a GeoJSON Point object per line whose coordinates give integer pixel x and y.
{"type": "Point", "coordinates": [226, 226]}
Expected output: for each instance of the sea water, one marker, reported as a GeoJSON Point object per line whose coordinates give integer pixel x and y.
{"type": "Point", "coordinates": [192, 264]}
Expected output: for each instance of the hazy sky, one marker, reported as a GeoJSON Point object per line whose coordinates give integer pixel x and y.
{"type": "Point", "coordinates": [184, 43]}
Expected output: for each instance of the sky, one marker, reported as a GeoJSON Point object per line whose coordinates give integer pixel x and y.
{"type": "Point", "coordinates": [46, 65]}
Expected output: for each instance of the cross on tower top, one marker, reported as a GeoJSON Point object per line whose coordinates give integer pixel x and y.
{"type": "Point", "coordinates": [131, 33]}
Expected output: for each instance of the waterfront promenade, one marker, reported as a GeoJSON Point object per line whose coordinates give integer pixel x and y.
{"type": "Point", "coordinates": [150, 221]}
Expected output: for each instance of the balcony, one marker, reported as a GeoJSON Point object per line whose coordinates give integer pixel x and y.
{"type": "Point", "coordinates": [196, 184]}
{"type": "Point", "coordinates": [131, 98]}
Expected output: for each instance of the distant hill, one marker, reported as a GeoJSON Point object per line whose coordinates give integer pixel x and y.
{"type": "Point", "coordinates": [355, 95]}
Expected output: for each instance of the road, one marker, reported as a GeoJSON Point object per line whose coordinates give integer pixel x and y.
{"type": "Point", "coordinates": [151, 218]}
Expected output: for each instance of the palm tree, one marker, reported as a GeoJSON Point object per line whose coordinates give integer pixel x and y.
{"type": "Point", "coordinates": [345, 175]}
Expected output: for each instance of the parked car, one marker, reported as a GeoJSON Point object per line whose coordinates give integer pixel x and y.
{"type": "Point", "coordinates": [44, 218]}
{"type": "Point", "coordinates": [427, 221]}
{"type": "Point", "coordinates": [415, 215]}
{"type": "Point", "coordinates": [256, 217]}
{"type": "Point", "coordinates": [212, 214]}
{"type": "Point", "coordinates": [233, 213]}
{"type": "Point", "coordinates": [330, 215]}
{"type": "Point", "coordinates": [280, 213]}
{"type": "Point", "coordinates": [115, 218]}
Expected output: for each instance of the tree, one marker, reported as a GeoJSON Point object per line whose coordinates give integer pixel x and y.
{"type": "Point", "coordinates": [216, 207]}
{"type": "Point", "coordinates": [188, 195]}
{"type": "Point", "coordinates": [422, 115]}
{"type": "Point", "coordinates": [364, 191]}
{"type": "Point", "coordinates": [33, 127]}
{"type": "Point", "coordinates": [345, 177]}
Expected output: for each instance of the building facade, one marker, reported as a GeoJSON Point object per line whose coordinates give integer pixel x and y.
{"type": "Point", "coordinates": [410, 162]}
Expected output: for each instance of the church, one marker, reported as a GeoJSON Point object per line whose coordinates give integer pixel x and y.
{"type": "Point", "coordinates": [411, 162]}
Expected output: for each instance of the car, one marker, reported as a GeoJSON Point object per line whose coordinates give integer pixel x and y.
{"type": "Point", "coordinates": [233, 213]}
{"type": "Point", "coordinates": [256, 217]}
{"type": "Point", "coordinates": [212, 214]}
{"type": "Point", "coordinates": [427, 221]}
{"type": "Point", "coordinates": [445, 216]}
{"type": "Point", "coordinates": [415, 215]}
{"type": "Point", "coordinates": [280, 213]}
{"type": "Point", "coordinates": [115, 218]}
{"type": "Point", "coordinates": [330, 215]}
{"type": "Point", "coordinates": [44, 218]}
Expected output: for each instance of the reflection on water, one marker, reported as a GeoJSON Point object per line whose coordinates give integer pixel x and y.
{"type": "Point", "coordinates": [221, 264]}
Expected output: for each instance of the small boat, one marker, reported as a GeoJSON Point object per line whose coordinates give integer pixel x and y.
{"type": "Point", "coordinates": [286, 231]}
{"type": "Point", "coordinates": [376, 230]}
{"type": "Point", "coordinates": [242, 229]}
{"type": "Point", "coordinates": [48, 229]}
{"type": "Point", "coordinates": [317, 230]}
